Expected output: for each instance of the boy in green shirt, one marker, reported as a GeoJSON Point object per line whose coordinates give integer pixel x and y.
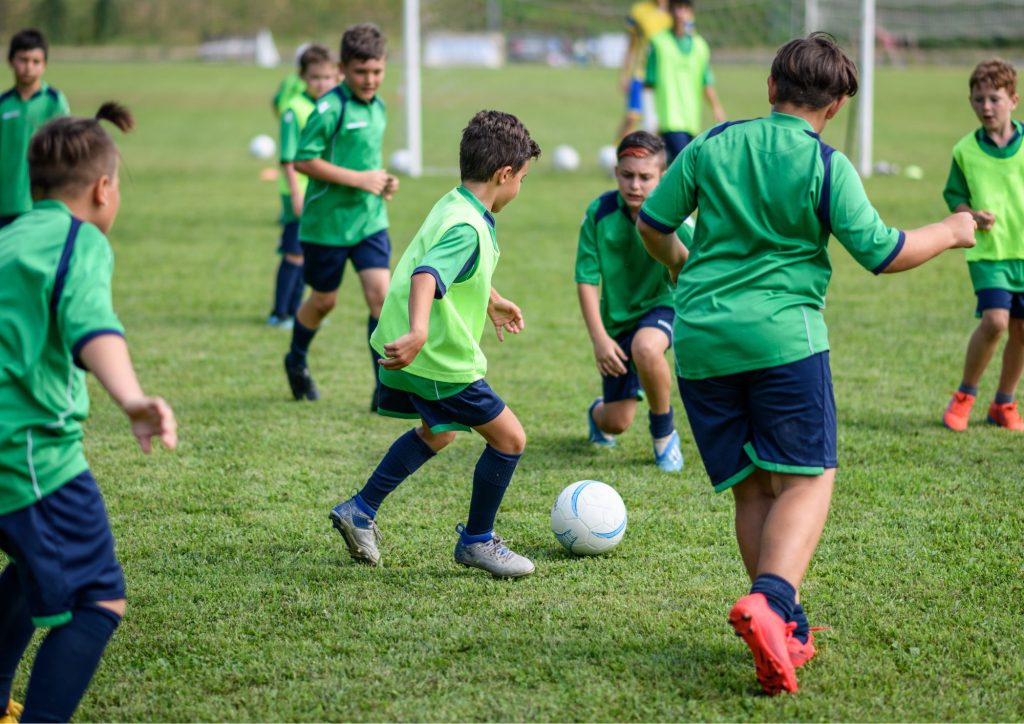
{"type": "Point", "coordinates": [626, 300]}
{"type": "Point", "coordinates": [750, 339]}
{"type": "Point", "coordinates": [344, 216]}
{"type": "Point", "coordinates": [23, 109]}
{"type": "Point", "coordinates": [986, 179]}
{"type": "Point", "coordinates": [58, 323]}
{"type": "Point", "coordinates": [429, 335]}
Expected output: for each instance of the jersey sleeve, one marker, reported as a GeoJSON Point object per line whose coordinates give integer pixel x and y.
{"type": "Point", "coordinates": [63, 108]}
{"type": "Point", "coordinates": [85, 309]}
{"type": "Point", "coordinates": [856, 223]}
{"type": "Point", "coordinates": [651, 73]}
{"type": "Point", "coordinates": [675, 197]}
{"type": "Point", "coordinates": [588, 262]}
{"type": "Point", "coordinates": [452, 259]}
{"type": "Point", "coordinates": [290, 134]}
{"type": "Point", "coordinates": [319, 128]}
{"type": "Point", "coordinates": [956, 192]}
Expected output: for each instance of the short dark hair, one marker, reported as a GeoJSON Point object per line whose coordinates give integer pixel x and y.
{"type": "Point", "coordinates": [640, 144]}
{"type": "Point", "coordinates": [491, 141]}
{"type": "Point", "coordinates": [364, 41]}
{"type": "Point", "coordinates": [995, 72]}
{"type": "Point", "coordinates": [315, 54]}
{"type": "Point", "coordinates": [680, 3]}
{"type": "Point", "coordinates": [813, 72]}
{"type": "Point", "coordinates": [28, 39]}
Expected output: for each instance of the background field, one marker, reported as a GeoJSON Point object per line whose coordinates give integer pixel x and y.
{"type": "Point", "coordinates": [243, 602]}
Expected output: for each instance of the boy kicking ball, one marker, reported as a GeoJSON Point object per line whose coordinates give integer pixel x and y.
{"type": "Point", "coordinates": [626, 300]}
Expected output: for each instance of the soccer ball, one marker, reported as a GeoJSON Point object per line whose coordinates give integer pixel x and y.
{"type": "Point", "coordinates": [565, 158]}
{"type": "Point", "coordinates": [607, 159]}
{"type": "Point", "coordinates": [588, 518]}
{"type": "Point", "coordinates": [400, 161]}
{"type": "Point", "coordinates": [262, 146]}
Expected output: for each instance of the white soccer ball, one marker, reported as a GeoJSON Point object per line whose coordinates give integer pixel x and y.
{"type": "Point", "coordinates": [565, 158]}
{"type": "Point", "coordinates": [262, 146]}
{"type": "Point", "coordinates": [588, 518]}
{"type": "Point", "coordinates": [400, 161]}
{"type": "Point", "coordinates": [607, 159]}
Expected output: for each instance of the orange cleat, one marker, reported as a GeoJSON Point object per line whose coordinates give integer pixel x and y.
{"type": "Point", "coordinates": [766, 634]}
{"type": "Point", "coordinates": [800, 654]}
{"type": "Point", "coordinates": [958, 412]}
{"type": "Point", "coordinates": [1005, 415]}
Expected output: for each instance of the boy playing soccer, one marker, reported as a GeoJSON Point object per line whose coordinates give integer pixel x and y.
{"type": "Point", "coordinates": [434, 316]}
{"type": "Point", "coordinates": [319, 74]}
{"type": "Point", "coordinates": [986, 179]}
{"type": "Point", "coordinates": [23, 109]}
{"type": "Point", "coordinates": [750, 339]}
{"type": "Point", "coordinates": [626, 300]}
{"type": "Point", "coordinates": [58, 322]}
{"type": "Point", "coordinates": [344, 216]}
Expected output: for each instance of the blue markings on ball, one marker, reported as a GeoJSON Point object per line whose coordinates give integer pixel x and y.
{"type": "Point", "coordinates": [611, 534]}
{"type": "Point", "coordinates": [576, 495]}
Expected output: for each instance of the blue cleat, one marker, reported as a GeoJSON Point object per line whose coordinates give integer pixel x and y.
{"type": "Point", "coordinates": [596, 436]}
{"type": "Point", "coordinates": [671, 458]}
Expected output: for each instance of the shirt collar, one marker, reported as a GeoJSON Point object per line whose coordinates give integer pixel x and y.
{"type": "Point", "coordinates": [477, 204]}
{"type": "Point", "coordinates": [349, 95]}
{"type": "Point", "coordinates": [785, 119]}
{"type": "Point", "coordinates": [983, 136]}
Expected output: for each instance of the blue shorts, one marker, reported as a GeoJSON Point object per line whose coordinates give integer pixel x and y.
{"type": "Point", "coordinates": [675, 142]}
{"type": "Point", "coordinates": [781, 419]}
{"type": "Point", "coordinates": [324, 265]}
{"type": "Point", "coordinates": [476, 405]}
{"type": "Point", "coordinates": [634, 97]}
{"type": "Point", "coordinates": [1001, 299]}
{"type": "Point", "coordinates": [627, 386]}
{"type": "Point", "coordinates": [63, 551]}
{"type": "Point", "coordinates": [289, 243]}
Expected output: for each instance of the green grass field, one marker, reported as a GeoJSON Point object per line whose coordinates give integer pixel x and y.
{"type": "Point", "coordinates": [243, 603]}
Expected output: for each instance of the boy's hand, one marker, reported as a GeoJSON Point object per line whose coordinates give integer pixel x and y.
{"type": "Point", "coordinates": [505, 316]}
{"type": "Point", "coordinates": [375, 181]}
{"type": "Point", "coordinates": [963, 226]}
{"type": "Point", "coordinates": [610, 357]}
{"type": "Point", "coordinates": [152, 417]}
{"type": "Point", "coordinates": [390, 188]}
{"type": "Point", "coordinates": [297, 204]}
{"type": "Point", "coordinates": [403, 350]}
{"type": "Point", "coordinates": [985, 220]}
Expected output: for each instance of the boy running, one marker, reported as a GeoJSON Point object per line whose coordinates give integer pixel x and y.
{"type": "Point", "coordinates": [750, 338]}
{"type": "Point", "coordinates": [429, 334]}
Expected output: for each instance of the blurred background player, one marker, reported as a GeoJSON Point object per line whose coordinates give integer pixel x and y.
{"type": "Point", "coordinates": [645, 20]}
{"type": "Point", "coordinates": [24, 108]}
{"type": "Point", "coordinates": [626, 300]}
{"type": "Point", "coordinates": [58, 323]}
{"type": "Point", "coordinates": [430, 331]}
{"type": "Point", "coordinates": [291, 85]}
{"type": "Point", "coordinates": [750, 339]}
{"type": "Point", "coordinates": [986, 178]}
{"type": "Point", "coordinates": [319, 73]}
{"type": "Point", "coordinates": [344, 217]}
{"type": "Point", "coordinates": [679, 71]}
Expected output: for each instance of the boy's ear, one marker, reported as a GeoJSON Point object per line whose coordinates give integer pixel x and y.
{"type": "Point", "coordinates": [101, 191]}
{"type": "Point", "coordinates": [502, 175]}
{"type": "Point", "coordinates": [771, 91]}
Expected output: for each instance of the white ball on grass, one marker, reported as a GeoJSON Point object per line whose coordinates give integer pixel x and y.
{"type": "Point", "coordinates": [607, 159]}
{"type": "Point", "coordinates": [400, 161]}
{"type": "Point", "coordinates": [588, 518]}
{"type": "Point", "coordinates": [262, 146]}
{"type": "Point", "coordinates": [565, 158]}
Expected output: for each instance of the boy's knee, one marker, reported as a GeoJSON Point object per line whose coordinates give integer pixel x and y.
{"type": "Point", "coordinates": [994, 323]}
{"type": "Point", "coordinates": [615, 424]}
{"type": "Point", "coordinates": [116, 606]}
{"type": "Point", "coordinates": [514, 443]}
{"type": "Point", "coordinates": [295, 259]}
{"type": "Point", "coordinates": [323, 302]}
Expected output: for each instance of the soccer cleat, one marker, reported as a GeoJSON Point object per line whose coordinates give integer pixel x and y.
{"type": "Point", "coordinates": [958, 411]}
{"type": "Point", "coordinates": [671, 458]}
{"type": "Point", "coordinates": [801, 653]}
{"type": "Point", "coordinates": [766, 635]}
{"type": "Point", "coordinates": [280, 322]}
{"type": "Point", "coordinates": [359, 530]}
{"type": "Point", "coordinates": [300, 380]}
{"type": "Point", "coordinates": [1005, 415]}
{"type": "Point", "coordinates": [596, 436]}
{"type": "Point", "coordinates": [13, 714]}
{"type": "Point", "coordinates": [492, 556]}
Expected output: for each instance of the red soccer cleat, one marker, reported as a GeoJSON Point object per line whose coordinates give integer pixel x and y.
{"type": "Point", "coordinates": [959, 411]}
{"type": "Point", "coordinates": [800, 654]}
{"type": "Point", "coordinates": [765, 633]}
{"type": "Point", "coordinates": [1005, 415]}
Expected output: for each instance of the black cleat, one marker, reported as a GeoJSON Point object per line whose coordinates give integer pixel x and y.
{"type": "Point", "coordinates": [301, 381]}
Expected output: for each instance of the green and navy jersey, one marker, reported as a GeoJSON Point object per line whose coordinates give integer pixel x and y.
{"type": "Point", "coordinates": [19, 120]}
{"type": "Point", "coordinates": [294, 116]}
{"type": "Point", "coordinates": [347, 132]}
{"type": "Point", "coordinates": [770, 193]}
{"type": "Point", "coordinates": [291, 86]}
{"type": "Point", "coordinates": [463, 267]}
{"type": "Point", "coordinates": [987, 177]}
{"type": "Point", "coordinates": [611, 254]}
{"type": "Point", "coordinates": [55, 275]}
{"type": "Point", "coordinates": [679, 68]}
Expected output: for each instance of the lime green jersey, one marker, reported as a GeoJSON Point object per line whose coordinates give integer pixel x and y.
{"type": "Point", "coordinates": [347, 132]}
{"type": "Point", "coordinates": [770, 193]}
{"type": "Point", "coordinates": [611, 254]}
{"type": "Point", "coordinates": [55, 275]}
{"type": "Point", "coordinates": [291, 85]}
{"type": "Point", "coordinates": [19, 120]}
{"type": "Point", "coordinates": [294, 116]}
{"type": "Point", "coordinates": [679, 69]}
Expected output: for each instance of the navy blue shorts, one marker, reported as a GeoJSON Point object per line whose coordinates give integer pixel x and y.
{"type": "Point", "coordinates": [324, 265]}
{"type": "Point", "coordinates": [627, 386]}
{"type": "Point", "coordinates": [634, 96]}
{"type": "Point", "coordinates": [289, 243]}
{"type": "Point", "coordinates": [781, 419]}
{"type": "Point", "coordinates": [63, 551]}
{"type": "Point", "coordinates": [476, 405]}
{"type": "Point", "coordinates": [675, 142]}
{"type": "Point", "coordinates": [1001, 299]}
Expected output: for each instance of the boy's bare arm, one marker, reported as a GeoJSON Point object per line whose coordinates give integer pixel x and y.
{"type": "Point", "coordinates": [107, 357]}
{"type": "Point", "coordinates": [716, 105]}
{"type": "Point", "coordinates": [375, 181]}
{"type": "Point", "coordinates": [292, 179]}
{"type": "Point", "coordinates": [607, 353]}
{"type": "Point", "coordinates": [985, 219]}
{"type": "Point", "coordinates": [665, 248]}
{"type": "Point", "coordinates": [401, 352]}
{"type": "Point", "coordinates": [506, 316]}
{"type": "Point", "coordinates": [921, 244]}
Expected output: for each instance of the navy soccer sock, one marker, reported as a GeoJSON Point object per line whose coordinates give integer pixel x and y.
{"type": "Point", "coordinates": [15, 631]}
{"type": "Point", "coordinates": [301, 338]}
{"type": "Point", "coordinates": [66, 662]}
{"type": "Point", "coordinates": [406, 455]}
{"type": "Point", "coordinates": [968, 390]}
{"type": "Point", "coordinates": [493, 473]}
{"type": "Point", "coordinates": [288, 275]}
{"type": "Point", "coordinates": [780, 594]}
{"type": "Point", "coordinates": [803, 629]}
{"type": "Point", "coordinates": [661, 425]}
{"type": "Point", "coordinates": [298, 287]}
{"type": "Point", "coordinates": [1002, 398]}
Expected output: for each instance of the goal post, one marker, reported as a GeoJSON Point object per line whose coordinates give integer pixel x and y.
{"type": "Point", "coordinates": [413, 96]}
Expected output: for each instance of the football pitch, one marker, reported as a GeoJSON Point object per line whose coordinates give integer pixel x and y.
{"type": "Point", "coordinates": [243, 603]}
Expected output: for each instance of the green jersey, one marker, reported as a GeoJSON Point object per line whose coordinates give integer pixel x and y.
{"type": "Point", "coordinates": [291, 86]}
{"type": "Point", "coordinates": [19, 120]}
{"type": "Point", "coordinates": [346, 132]}
{"type": "Point", "coordinates": [55, 274]}
{"type": "Point", "coordinates": [679, 69]}
{"type": "Point", "coordinates": [294, 116]}
{"type": "Point", "coordinates": [770, 193]}
{"type": "Point", "coordinates": [611, 254]}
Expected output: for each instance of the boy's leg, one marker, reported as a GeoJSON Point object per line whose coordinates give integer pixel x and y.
{"type": "Point", "coordinates": [648, 353]}
{"type": "Point", "coordinates": [794, 524]}
{"type": "Point", "coordinates": [753, 497]}
{"type": "Point", "coordinates": [375, 287]}
{"type": "Point", "coordinates": [16, 629]}
{"type": "Point", "coordinates": [613, 418]}
{"type": "Point", "coordinates": [1003, 411]}
{"type": "Point", "coordinates": [289, 274]}
{"type": "Point", "coordinates": [298, 286]}
{"type": "Point", "coordinates": [613, 412]}
{"type": "Point", "coordinates": [980, 349]}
